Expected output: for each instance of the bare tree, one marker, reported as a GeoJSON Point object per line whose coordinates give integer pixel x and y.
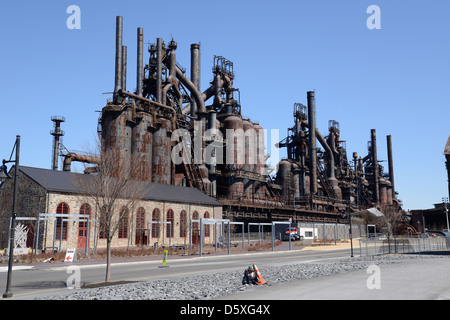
{"type": "Point", "coordinates": [393, 218]}
{"type": "Point", "coordinates": [112, 189]}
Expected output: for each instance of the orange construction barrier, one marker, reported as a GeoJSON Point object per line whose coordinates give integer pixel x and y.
{"type": "Point", "coordinates": [259, 279]}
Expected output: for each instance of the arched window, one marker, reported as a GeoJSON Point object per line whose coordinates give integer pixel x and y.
{"type": "Point", "coordinates": [140, 225]}
{"type": "Point", "coordinates": [155, 226]}
{"type": "Point", "coordinates": [195, 225]}
{"type": "Point", "coordinates": [123, 223]}
{"type": "Point", "coordinates": [183, 223]}
{"type": "Point", "coordinates": [61, 226]}
{"type": "Point", "coordinates": [170, 218]}
{"type": "Point", "coordinates": [206, 226]}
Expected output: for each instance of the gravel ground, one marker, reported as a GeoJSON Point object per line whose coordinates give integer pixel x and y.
{"type": "Point", "coordinates": [210, 286]}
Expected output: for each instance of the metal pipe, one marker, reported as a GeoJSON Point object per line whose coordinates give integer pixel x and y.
{"type": "Point", "coordinates": [8, 293]}
{"type": "Point", "coordinates": [172, 74]}
{"type": "Point", "coordinates": [195, 64]}
{"type": "Point", "coordinates": [57, 133]}
{"type": "Point", "coordinates": [118, 62]}
{"type": "Point", "coordinates": [312, 143]}
{"type": "Point", "coordinates": [218, 83]}
{"type": "Point", "coordinates": [124, 68]}
{"type": "Point", "coordinates": [212, 164]}
{"type": "Point", "coordinates": [157, 104]}
{"type": "Point", "coordinates": [195, 73]}
{"type": "Point", "coordinates": [193, 89]}
{"type": "Point", "coordinates": [68, 158]}
{"type": "Point", "coordinates": [390, 164]}
{"type": "Point", "coordinates": [375, 164]}
{"type": "Point", "coordinates": [140, 61]}
{"type": "Point", "coordinates": [328, 149]}
{"type": "Point", "coordinates": [158, 69]}
{"type": "Point", "coordinates": [447, 162]}
{"type": "Point", "coordinates": [208, 93]}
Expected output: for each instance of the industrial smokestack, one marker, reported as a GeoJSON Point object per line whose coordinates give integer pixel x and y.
{"type": "Point", "coordinates": [375, 164]}
{"type": "Point", "coordinates": [56, 133]}
{"type": "Point", "coordinates": [118, 63]}
{"type": "Point", "coordinates": [195, 72]}
{"type": "Point", "coordinates": [124, 68]}
{"type": "Point", "coordinates": [390, 164]}
{"type": "Point", "coordinates": [312, 142]}
{"type": "Point", "coordinates": [140, 61]}
{"type": "Point", "coordinates": [158, 69]}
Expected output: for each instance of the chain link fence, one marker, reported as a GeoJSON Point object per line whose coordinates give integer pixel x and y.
{"type": "Point", "coordinates": [390, 245]}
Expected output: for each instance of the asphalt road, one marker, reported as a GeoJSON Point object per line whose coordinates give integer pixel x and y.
{"type": "Point", "coordinates": [47, 279]}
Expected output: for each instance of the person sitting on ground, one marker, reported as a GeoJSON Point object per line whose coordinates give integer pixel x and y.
{"type": "Point", "coordinates": [249, 276]}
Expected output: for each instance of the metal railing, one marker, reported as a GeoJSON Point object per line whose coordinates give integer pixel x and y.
{"type": "Point", "coordinates": [392, 245]}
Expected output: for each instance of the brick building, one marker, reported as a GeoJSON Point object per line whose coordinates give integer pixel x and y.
{"type": "Point", "coordinates": [51, 191]}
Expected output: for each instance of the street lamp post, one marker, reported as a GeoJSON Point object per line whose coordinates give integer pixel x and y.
{"type": "Point", "coordinates": [351, 235]}
{"type": "Point", "coordinates": [347, 214]}
{"type": "Point", "coordinates": [4, 175]}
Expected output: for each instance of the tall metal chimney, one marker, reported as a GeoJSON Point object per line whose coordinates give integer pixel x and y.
{"type": "Point", "coordinates": [56, 133]}
{"type": "Point", "coordinates": [390, 164]}
{"type": "Point", "coordinates": [375, 164]}
{"type": "Point", "coordinates": [140, 61]}
{"type": "Point", "coordinates": [158, 69]}
{"type": "Point", "coordinates": [124, 68]}
{"type": "Point", "coordinates": [312, 142]}
{"type": "Point", "coordinates": [195, 72]}
{"type": "Point", "coordinates": [118, 63]}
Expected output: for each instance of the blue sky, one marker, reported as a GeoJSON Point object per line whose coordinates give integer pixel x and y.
{"type": "Point", "coordinates": [394, 79]}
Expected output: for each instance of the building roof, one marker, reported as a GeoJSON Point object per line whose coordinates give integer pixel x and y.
{"type": "Point", "coordinates": [64, 181]}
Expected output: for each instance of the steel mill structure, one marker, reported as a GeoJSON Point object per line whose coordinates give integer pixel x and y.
{"type": "Point", "coordinates": [180, 135]}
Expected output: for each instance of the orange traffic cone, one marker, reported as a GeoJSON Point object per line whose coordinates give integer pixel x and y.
{"type": "Point", "coordinates": [259, 279]}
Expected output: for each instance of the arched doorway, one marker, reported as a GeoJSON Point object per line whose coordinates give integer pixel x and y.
{"type": "Point", "coordinates": [83, 227]}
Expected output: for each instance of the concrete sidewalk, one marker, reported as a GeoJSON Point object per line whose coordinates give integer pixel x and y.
{"type": "Point", "coordinates": [415, 279]}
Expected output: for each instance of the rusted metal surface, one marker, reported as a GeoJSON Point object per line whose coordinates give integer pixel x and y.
{"type": "Point", "coordinates": [161, 152]}
{"type": "Point", "coordinates": [234, 126]}
{"type": "Point", "coordinates": [116, 135]}
{"type": "Point", "coordinates": [141, 147]}
{"type": "Point", "coordinates": [70, 157]}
